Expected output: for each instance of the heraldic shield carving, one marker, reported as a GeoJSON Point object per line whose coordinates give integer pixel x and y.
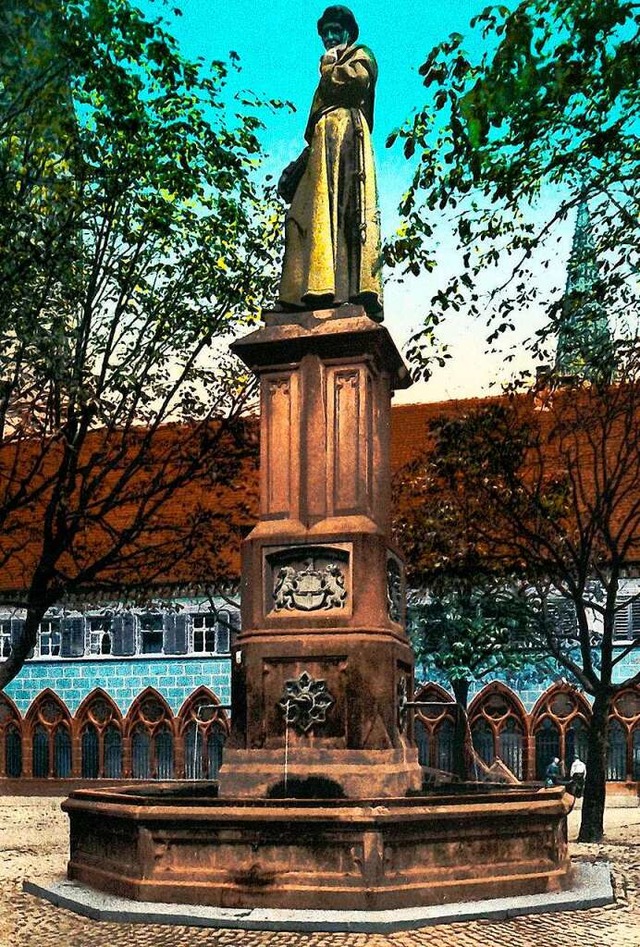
{"type": "Point", "coordinates": [305, 702]}
{"type": "Point", "coordinates": [316, 581]}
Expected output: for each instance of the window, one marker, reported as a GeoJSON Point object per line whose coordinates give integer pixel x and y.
{"type": "Point", "coordinates": [444, 745]}
{"type": "Point", "coordinates": [99, 634]}
{"type": "Point", "coordinates": [140, 753]}
{"type": "Point", "coordinates": [482, 736]}
{"type": "Point", "coordinates": [547, 746]}
{"type": "Point", "coordinates": [51, 744]}
{"type": "Point", "coordinates": [5, 638]}
{"type": "Point", "coordinates": [164, 753]}
{"type": "Point", "coordinates": [616, 752]}
{"type": "Point", "coordinates": [193, 742]}
{"type": "Point", "coordinates": [204, 633]}
{"type": "Point", "coordinates": [635, 749]}
{"type": "Point", "coordinates": [101, 740]}
{"type": "Point", "coordinates": [215, 749]}
{"type": "Point", "coordinates": [13, 752]}
{"type": "Point", "coordinates": [50, 638]}
{"type": "Point", "coordinates": [62, 753]}
{"type": "Point", "coordinates": [112, 752]}
{"type": "Point", "coordinates": [151, 633]}
{"type": "Point", "coordinates": [423, 742]}
{"type": "Point", "coordinates": [151, 738]}
{"type": "Point", "coordinates": [152, 754]}
{"type": "Point", "coordinates": [203, 726]}
{"type": "Point", "coordinates": [90, 753]}
{"type": "Point", "coordinates": [40, 745]}
{"type": "Point", "coordinates": [626, 625]}
{"type": "Point", "coordinates": [510, 743]}
{"type": "Point", "coordinates": [203, 751]}
{"type": "Point", "coordinates": [212, 633]}
{"type": "Point", "coordinates": [576, 741]}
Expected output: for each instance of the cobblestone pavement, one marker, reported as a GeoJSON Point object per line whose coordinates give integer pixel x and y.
{"type": "Point", "coordinates": [33, 840]}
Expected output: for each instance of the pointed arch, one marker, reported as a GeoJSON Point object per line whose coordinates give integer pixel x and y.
{"type": "Point", "coordinates": [559, 726]}
{"type": "Point", "coordinates": [499, 727]}
{"type": "Point", "coordinates": [203, 726]}
{"type": "Point", "coordinates": [150, 737]}
{"type": "Point", "coordinates": [48, 723]}
{"type": "Point", "coordinates": [434, 726]}
{"type": "Point", "coordinates": [149, 708]}
{"type": "Point", "coordinates": [205, 706]}
{"type": "Point", "coordinates": [625, 714]}
{"type": "Point", "coordinates": [617, 740]}
{"type": "Point", "coordinates": [9, 712]}
{"type": "Point", "coordinates": [11, 738]}
{"type": "Point", "coordinates": [49, 709]}
{"type": "Point", "coordinates": [432, 691]}
{"type": "Point", "coordinates": [99, 729]}
{"type": "Point", "coordinates": [495, 692]}
{"type": "Point", "coordinates": [90, 708]}
{"type": "Point", "coordinates": [562, 701]}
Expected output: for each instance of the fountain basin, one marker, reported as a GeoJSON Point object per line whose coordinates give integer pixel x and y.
{"type": "Point", "coordinates": [162, 844]}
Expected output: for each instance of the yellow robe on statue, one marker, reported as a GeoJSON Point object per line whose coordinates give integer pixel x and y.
{"type": "Point", "coordinates": [332, 230]}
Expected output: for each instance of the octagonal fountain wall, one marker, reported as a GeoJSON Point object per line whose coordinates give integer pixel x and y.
{"type": "Point", "coordinates": [330, 854]}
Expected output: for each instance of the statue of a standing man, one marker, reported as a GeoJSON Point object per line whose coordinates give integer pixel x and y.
{"type": "Point", "coordinates": [332, 233]}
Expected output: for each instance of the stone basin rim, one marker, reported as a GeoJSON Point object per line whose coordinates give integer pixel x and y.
{"type": "Point", "coordinates": [161, 797]}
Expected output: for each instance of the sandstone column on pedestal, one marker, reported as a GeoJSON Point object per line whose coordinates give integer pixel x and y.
{"type": "Point", "coordinates": [323, 657]}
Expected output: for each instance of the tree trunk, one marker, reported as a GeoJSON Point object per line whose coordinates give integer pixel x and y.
{"type": "Point", "coordinates": [592, 825]}
{"type": "Point", "coordinates": [460, 687]}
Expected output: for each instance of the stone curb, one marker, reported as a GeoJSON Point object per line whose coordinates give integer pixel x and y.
{"type": "Point", "coordinates": [591, 889]}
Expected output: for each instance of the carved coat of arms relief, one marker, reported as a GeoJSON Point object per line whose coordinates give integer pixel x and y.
{"type": "Point", "coordinates": [308, 589]}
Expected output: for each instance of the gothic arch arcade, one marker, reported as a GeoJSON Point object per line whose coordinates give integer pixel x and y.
{"type": "Point", "coordinates": [498, 723]}
{"type": "Point", "coordinates": [559, 726]}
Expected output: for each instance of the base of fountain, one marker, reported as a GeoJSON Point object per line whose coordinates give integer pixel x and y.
{"type": "Point", "coordinates": [161, 845]}
{"type": "Point", "coordinates": [358, 773]}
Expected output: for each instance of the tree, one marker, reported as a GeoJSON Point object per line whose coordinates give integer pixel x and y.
{"type": "Point", "coordinates": [507, 145]}
{"type": "Point", "coordinates": [135, 240]}
{"type": "Point", "coordinates": [547, 489]}
{"type": "Point", "coordinates": [468, 629]}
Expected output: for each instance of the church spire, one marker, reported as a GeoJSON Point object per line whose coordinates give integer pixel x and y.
{"type": "Point", "coordinates": [584, 351]}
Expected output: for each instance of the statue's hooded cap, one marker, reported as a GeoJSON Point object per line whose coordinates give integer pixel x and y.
{"type": "Point", "coordinates": [342, 15]}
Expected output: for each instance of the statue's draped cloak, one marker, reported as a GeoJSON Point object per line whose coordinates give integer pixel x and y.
{"type": "Point", "coordinates": [332, 231]}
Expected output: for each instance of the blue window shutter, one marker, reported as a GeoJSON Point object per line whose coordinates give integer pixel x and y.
{"type": "Point", "coordinates": [175, 633]}
{"type": "Point", "coordinates": [234, 620]}
{"type": "Point", "coordinates": [17, 626]}
{"type": "Point", "coordinates": [123, 637]}
{"type": "Point", "coordinates": [621, 628]}
{"type": "Point", "coordinates": [17, 630]}
{"type": "Point", "coordinates": [65, 638]}
{"type": "Point", "coordinates": [223, 632]}
{"type": "Point", "coordinates": [169, 633]}
{"type": "Point", "coordinates": [182, 633]}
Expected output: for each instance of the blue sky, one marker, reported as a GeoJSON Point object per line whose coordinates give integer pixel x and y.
{"type": "Point", "coordinates": [279, 50]}
{"type": "Point", "coordinates": [279, 47]}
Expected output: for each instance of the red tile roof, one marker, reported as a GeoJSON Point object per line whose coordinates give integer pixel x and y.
{"type": "Point", "coordinates": [192, 534]}
{"type": "Point", "coordinates": [580, 464]}
{"type": "Point", "coordinates": [410, 425]}
{"type": "Point", "coordinates": [197, 532]}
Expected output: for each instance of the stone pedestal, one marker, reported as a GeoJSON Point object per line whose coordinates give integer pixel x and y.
{"type": "Point", "coordinates": [323, 655]}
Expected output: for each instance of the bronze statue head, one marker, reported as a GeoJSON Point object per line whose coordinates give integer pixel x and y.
{"type": "Point", "coordinates": [340, 16]}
